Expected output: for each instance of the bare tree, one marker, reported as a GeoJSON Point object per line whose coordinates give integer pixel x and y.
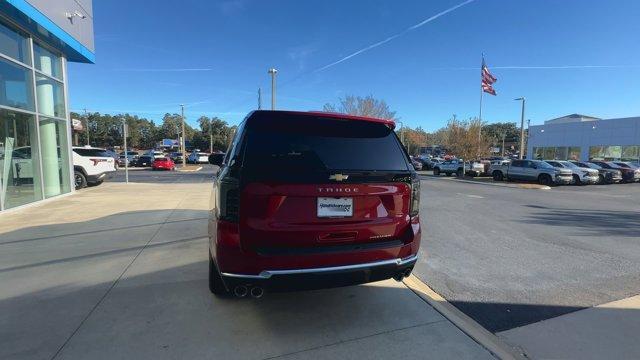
{"type": "Point", "coordinates": [462, 139]}
{"type": "Point", "coordinates": [367, 106]}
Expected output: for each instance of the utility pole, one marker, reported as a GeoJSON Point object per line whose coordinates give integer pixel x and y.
{"type": "Point", "coordinates": [502, 149]}
{"type": "Point", "coordinates": [521, 128]}
{"type": "Point", "coordinates": [182, 142]}
{"type": "Point", "coordinates": [126, 150]}
{"type": "Point", "coordinates": [210, 137]}
{"type": "Point", "coordinates": [259, 99]}
{"type": "Point", "coordinates": [86, 123]}
{"type": "Point", "coordinates": [273, 73]}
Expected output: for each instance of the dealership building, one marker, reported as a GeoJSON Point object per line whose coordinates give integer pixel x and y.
{"type": "Point", "coordinates": [582, 137]}
{"type": "Point", "coordinates": [37, 39]}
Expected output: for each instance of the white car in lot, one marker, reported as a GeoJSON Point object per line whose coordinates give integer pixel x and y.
{"type": "Point", "coordinates": [156, 154]}
{"type": "Point", "coordinates": [198, 158]}
{"type": "Point", "coordinates": [91, 166]}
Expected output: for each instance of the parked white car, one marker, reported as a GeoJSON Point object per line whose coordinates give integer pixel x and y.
{"type": "Point", "coordinates": [156, 154]}
{"type": "Point", "coordinates": [91, 166]}
{"type": "Point", "coordinates": [198, 158]}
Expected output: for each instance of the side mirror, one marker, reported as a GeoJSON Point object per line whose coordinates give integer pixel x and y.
{"type": "Point", "coordinates": [216, 159]}
{"type": "Point", "coordinates": [534, 166]}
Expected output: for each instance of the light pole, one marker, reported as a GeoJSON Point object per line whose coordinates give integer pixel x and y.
{"type": "Point", "coordinates": [182, 142]}
{"type": "Point", "coordinates": [210, 137]}
{"type": "Point", "coordinates": [126, 150]}
{"type": "Point", "coordinates": [521, 128]}
{"type": "Point", "coordinates": [273, 73]}
{"type": "Point", "coordinates": [86, 121]}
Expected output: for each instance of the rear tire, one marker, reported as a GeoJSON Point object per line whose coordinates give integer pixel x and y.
{"type": "Point", "coordinates": [436, 171]}
{"type": "Point", "coordinates": [80, 181]}
{"type": "Point", "coordinates": [459, 173]}
{"type": "Point", "coordinates": [497, 176]}
{"type": "Point", "coordinates": [216, 285]}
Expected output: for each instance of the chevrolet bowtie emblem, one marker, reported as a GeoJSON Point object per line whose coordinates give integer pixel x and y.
{"type": "Point", "coordinates": [338, 177]}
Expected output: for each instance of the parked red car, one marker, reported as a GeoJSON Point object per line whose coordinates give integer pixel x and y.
{"type": "Point", "coordinates": [312, 200]}
{"type": "Point", "coordinates": [163, 164]}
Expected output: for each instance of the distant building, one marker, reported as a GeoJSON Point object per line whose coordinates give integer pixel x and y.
{"type": "Point", "coordinates": [37, 39]}
{"type": "Point", "coordinates": [585, 138]}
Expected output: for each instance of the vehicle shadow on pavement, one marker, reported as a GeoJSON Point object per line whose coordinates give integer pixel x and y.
{"type": "Point", "coordinates": [588, 222]}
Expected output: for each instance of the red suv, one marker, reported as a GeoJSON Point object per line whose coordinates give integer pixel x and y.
{"type": "Point", "coordinates": [308, 200]}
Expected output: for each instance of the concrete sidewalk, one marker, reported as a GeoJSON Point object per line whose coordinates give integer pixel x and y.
{"type": "Point", "coordinates": [120, 271]}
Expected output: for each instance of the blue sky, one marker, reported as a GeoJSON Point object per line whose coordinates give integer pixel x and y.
{"type": "Point", "coordinates": [564, 56]}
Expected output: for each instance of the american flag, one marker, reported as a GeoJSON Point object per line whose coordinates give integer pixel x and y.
{"type": "Point", "coordinates": [487, 80]}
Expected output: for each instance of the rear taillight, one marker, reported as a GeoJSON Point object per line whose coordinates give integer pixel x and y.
{"type": "Point", "coordinates": [414, 207]}
{"type": "Point", "coordinates": [229, 201]}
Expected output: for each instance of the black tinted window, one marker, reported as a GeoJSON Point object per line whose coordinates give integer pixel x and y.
{"type": "Point", "coordinates": [302, 144]}
{"type": "Point", "coordinates": [517, 163]}
{"type": "Point", "coordinates": [92, 152]}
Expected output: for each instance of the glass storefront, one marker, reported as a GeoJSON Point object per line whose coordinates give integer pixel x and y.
{"type": "Point", "coordinates": [556, 152]}
{"type": "Point", "coordinates": [34, 127]}
{"type": "Point", "coordinates": [19, 164]}
{"type": "Point", "coordinates": [615, 153]}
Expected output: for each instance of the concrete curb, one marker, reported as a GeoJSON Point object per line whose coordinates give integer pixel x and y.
{"type": "Point", "coordinates": [513, 186]}
{"type": "Point", "coordinates": [463, 322]}
{"type": "Point", "coordinates": [190, 170]}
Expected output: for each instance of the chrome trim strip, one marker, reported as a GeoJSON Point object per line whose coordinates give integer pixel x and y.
{"type": "Point", "coordinates": [266, 274]}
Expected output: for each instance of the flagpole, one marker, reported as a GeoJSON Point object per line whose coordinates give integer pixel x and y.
{"type": "Point", "coordinates": [481, 95]}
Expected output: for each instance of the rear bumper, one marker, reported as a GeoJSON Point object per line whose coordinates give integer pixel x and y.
{"type": "Point", "coordinates": [320, 278]}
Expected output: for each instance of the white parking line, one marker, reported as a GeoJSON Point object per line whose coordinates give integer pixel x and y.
{"type": "Point", "coordinates": [471, 196]}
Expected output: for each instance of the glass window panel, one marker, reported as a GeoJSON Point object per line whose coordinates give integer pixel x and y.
{"type": "Point", "coordinates": [16, 86]}
{"type": "Point", "coordinates": [14, 44]}
{"type": "Point", "coordinates": [19, 163]}
{"type": "Point", "coordinates": [613, 152]}
{"type": "Point", "coordinates": [50, 97]}
{"type": "Point", "coordinates": [55, 157]}
{"type": "Point", "coordinates": [596, 152]}
{"type": "Point", "coordinates": [574, 153]}
{"type": "Point", "coordinates": [46, 61]}
{"type": "Point", "coordinates": [549, 153]}
{"type": "Point", "coordinates": [630, 153]}
{"type": "Point", "coordinates": [561, 153]}
{"type": "Point", "coordinates": [538, 153]}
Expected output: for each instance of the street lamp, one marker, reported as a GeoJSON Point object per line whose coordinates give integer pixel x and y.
{"type": "Point", "coordinates": [182, 142]}
{"type": "Point", "coordinates": [521, 127]}
{"type": "Point", "coordinates": [273, 73]}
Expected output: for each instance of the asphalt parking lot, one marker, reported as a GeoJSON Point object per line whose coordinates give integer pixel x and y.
{"type": "Point", "coordinates": [509, 257]}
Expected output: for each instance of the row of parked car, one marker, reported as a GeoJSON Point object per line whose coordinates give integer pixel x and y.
{"type": "Point", "coordinates": [564, 172]}
{"type": "Point", "coordinates": [133, 158]}
{"type": "Point", "coordinates": [548, 172]}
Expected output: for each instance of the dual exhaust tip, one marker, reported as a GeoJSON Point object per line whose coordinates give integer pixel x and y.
{"type": "Point", "coordinates": [243, 290]}
{"type": "Point", "coordinates": [402, 274]}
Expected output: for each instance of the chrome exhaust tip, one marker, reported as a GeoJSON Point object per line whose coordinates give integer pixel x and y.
{"type": "Point", "coordinates": [240, 291]}
{"type": "Point", "coordinates": [257, 292]}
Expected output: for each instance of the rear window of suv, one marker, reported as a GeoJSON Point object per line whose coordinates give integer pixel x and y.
{"type": "Point", "coordinates": [92, 152]}
{"type": "Point", "coordinates": [305, 144]}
